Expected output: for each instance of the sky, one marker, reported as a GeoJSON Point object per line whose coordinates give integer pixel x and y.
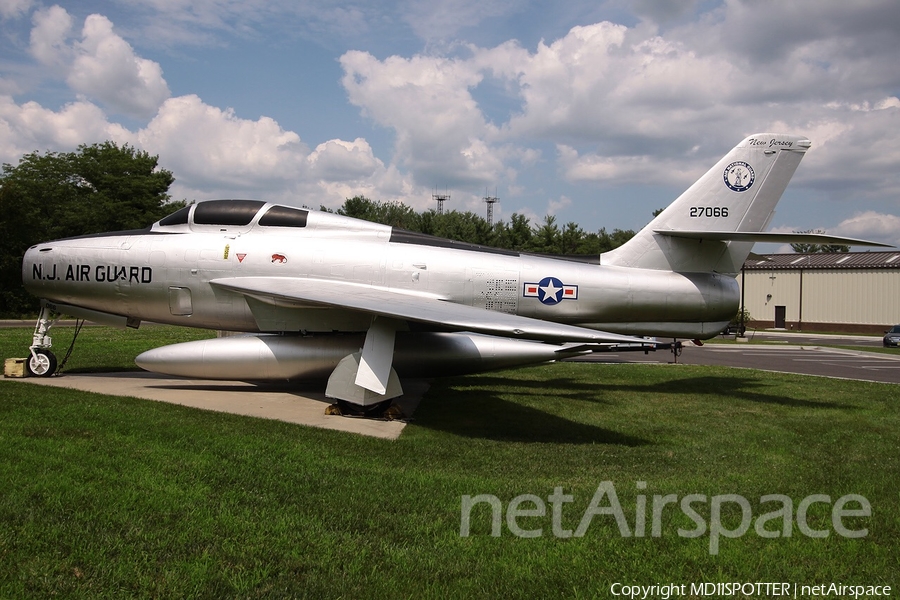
{"type": "Point", "coordinates": [596, 112]}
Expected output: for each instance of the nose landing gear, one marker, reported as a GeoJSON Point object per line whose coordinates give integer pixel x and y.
{"type": "Point", "coordinates": [42, 362]}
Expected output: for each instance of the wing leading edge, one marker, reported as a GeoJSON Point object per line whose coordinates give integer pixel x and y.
{"type": "Point", "coordinates": [301, 292]}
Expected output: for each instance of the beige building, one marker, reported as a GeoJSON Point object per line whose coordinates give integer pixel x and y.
{"type": "Point", "coordinates": [854, 292]}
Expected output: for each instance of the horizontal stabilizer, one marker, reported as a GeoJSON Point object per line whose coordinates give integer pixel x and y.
{"type": "Point", "coordinates": [766, 236]}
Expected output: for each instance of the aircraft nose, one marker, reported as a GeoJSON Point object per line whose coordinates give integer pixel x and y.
{"type": "Point", "coordinates": [28, 265]}
{"type": "Point", "coordinates": [39, 270]}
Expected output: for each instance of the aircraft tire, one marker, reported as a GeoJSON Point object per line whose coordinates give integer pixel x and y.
{"type": "Point", "coordinates": [41, 364]}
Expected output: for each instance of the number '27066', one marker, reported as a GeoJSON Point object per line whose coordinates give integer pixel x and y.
{"type": "Point", "coordinates": [709, 211]}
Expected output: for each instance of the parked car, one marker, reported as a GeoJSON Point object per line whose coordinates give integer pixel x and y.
{"type": "Point", "coordinates": [892, 337]}
{"type": "Point", "coordinates": [734, 329]}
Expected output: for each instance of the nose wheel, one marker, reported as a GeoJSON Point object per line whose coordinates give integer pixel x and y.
{"type": "Point", "coordinates": [42, 363]}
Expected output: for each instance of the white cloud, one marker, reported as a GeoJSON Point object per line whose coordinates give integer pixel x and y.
{"type": "Point", "coordinates": [31, 127]}
{"type": "Point", "coordinates": [854, 152]}
{"type": "Point", "coordinates": [630, 105]}
{"type": "Point", "coordinates": [864, 225]}
{"type": "Point", "coordinates": [12, 9]}
{"type": "Point", "coordinates": [213, 153]}
{"type": "Point", "coordinates": [766, 32]}
{"type": "Point", "coordinates": [49, 37]}
{"type": "Point", "coordinates": [107, 68]}
{"type": "Point", "coordinates": [101, 65]}
{"type": "Point", "coordinates": [609, 169]}
{"type": "Point", "coordinates": [384, 185]}
{"type": "Point", "coordinates": [208, 146]}
{"type": "Point", "coordinates": [623, 170]}
{"type": "Point", "coordinates": [337, 160]}
{"type": "Point", "coordinates": [441, 135]}
{"type": "Point", "coordinates": [554, 206]}
{"type": "Point", "coordinates": [871, 225]}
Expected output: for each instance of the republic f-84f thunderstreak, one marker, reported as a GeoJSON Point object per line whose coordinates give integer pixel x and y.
{"type": "Point", "coordinates": [322, 296]}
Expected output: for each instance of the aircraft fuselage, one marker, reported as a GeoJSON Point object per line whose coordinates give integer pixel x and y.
{"type": "Point", "coordinates": [163, 275]}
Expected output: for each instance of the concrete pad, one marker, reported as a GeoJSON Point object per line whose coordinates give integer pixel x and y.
{"type": "Point", "coordinates": [293, 403]}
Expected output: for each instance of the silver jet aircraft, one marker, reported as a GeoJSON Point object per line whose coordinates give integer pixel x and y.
{"type": "Point", "coordinates": [322, 296]}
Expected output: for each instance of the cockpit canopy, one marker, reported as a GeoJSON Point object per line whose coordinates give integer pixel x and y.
{"type": "Point", "coordinates": [236, 213]}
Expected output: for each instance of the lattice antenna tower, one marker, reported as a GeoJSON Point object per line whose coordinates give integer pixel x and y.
{"type": "Point", "coordinates": [491, 201]}
{"type": "Point", "coordinates": [440, 199]}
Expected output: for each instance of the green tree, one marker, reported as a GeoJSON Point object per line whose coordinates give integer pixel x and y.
{"type": "Point", "coordinates": [515, 236]}
{"type": "Point", "coordinates": [395, 214]}
{"type": "Point", "coordinates": [571, 239]}
{"type": "Point", "coordinates": [123, 187]}
{"type": "Point", "coordinates": [101, 187]}
{"type": "Point", "coordinates": [358, 207]}
{"type": "Point", "coordinates": [546, 237]}
{"type": "Point", "coordinates": [463, 226]}
{"type": "Point", "coordinates": [802, 248]}
{"type": "Point", "coordinates": [616, 238]}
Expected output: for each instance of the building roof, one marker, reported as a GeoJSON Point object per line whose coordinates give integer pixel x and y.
{"type": "Point", "coordinates": [824, 260]}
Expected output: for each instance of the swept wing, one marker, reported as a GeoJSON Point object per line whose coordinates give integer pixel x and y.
{"type": "Point", "coordinates": [385, 302]}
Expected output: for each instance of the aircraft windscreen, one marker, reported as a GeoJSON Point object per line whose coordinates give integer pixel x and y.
{"type": "Point", "coordinates": [179, 217]}
{"type": "Point", "coordinates": [283, 216]}
{"type": "Point", "coordinates": [226, 212]}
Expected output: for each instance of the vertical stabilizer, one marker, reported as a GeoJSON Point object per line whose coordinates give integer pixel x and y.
{"type": "Point", "coordinates": [738, 194]}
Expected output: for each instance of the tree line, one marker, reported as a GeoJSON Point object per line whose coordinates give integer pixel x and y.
{"type": "Point", "coordinates": [519, 234]}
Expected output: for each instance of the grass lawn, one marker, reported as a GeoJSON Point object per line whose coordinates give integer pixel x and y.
{"type": "Point", "coordinates": [109, 497]}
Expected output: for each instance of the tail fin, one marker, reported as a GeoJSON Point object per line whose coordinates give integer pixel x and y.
{"type": "Point", "coordinates": [739, 194]}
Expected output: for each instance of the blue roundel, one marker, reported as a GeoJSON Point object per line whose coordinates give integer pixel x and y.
{"type": "Point", "coordinates": [550, 290]}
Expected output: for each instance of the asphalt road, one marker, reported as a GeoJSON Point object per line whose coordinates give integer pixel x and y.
{"type": "Point", "coordinates": [798, 354]}
{"type": "Point", "coordinates": [812, 339]}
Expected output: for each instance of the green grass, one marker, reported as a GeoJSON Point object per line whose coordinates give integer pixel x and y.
{"type": "Point", "coordinates": [112, 497]}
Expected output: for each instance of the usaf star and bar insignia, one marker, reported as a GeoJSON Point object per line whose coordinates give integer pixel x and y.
{"type": "Point", "coordinates": [550, 291]}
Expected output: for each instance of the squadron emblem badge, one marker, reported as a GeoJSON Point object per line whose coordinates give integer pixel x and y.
{"type": "Point", "coordinates": [739, 176]}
